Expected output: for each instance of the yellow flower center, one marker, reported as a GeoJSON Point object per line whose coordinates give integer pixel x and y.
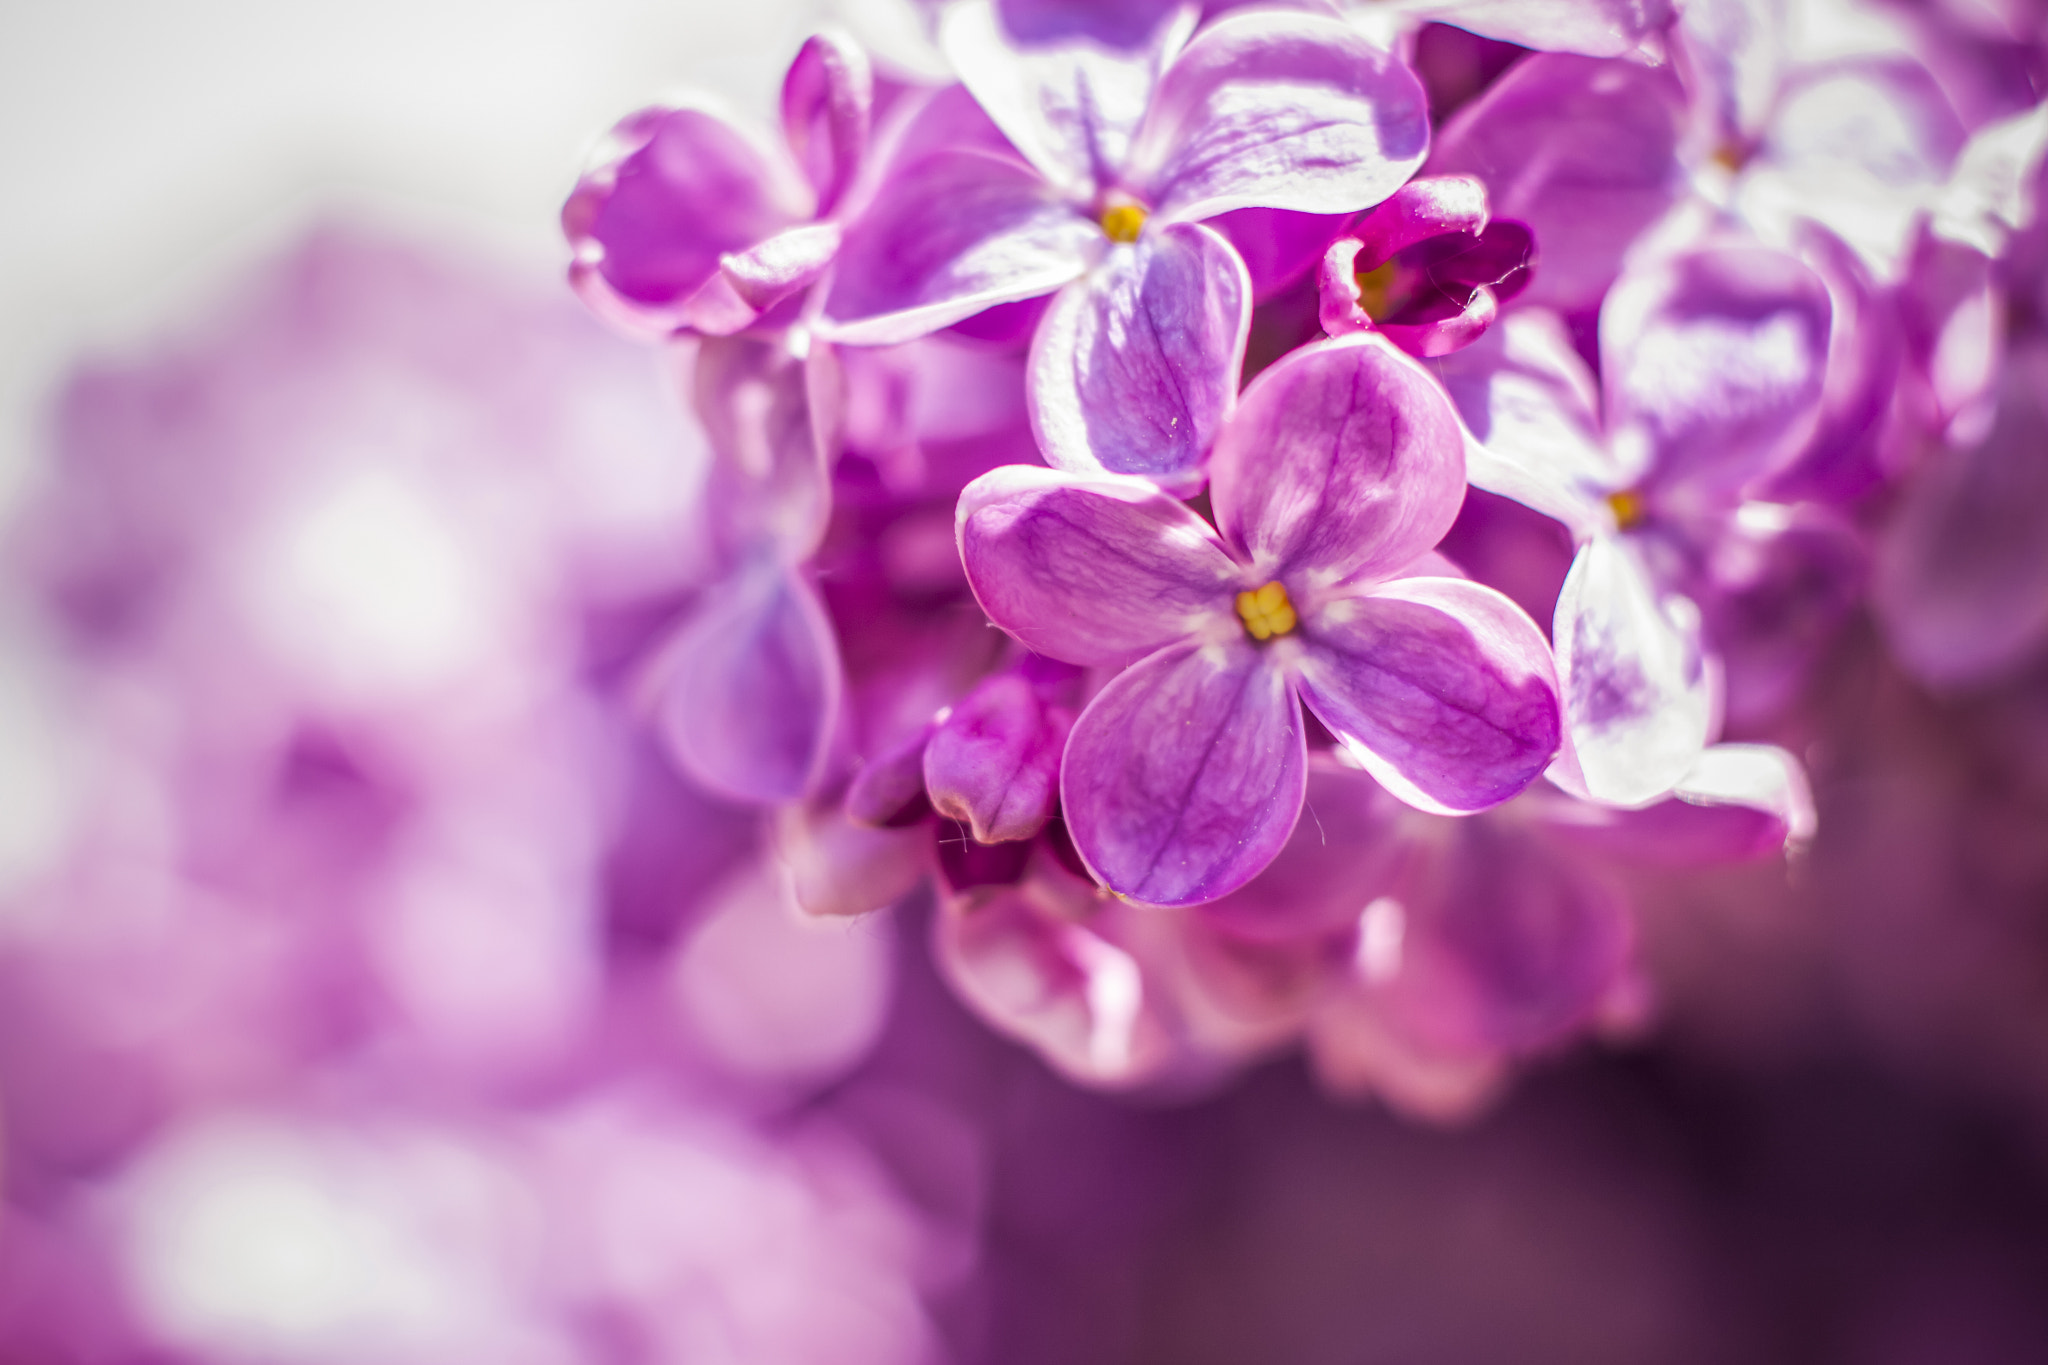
{"type": "Point", "coordinates": [1627, 507]}
{"type": "Point", "coordinates": [1266, 612]}
{"type": "Point", "coordinates": [1123, 222]}
{"type": "Point", "coordinates": [1730, 157]}
{"type": "Point", "coordinates": [1376, 291]}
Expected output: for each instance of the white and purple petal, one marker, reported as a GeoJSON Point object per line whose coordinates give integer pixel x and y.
{"type": "Point", "coordinates": [1271, 109]}
{"type": "Point", "coordinates": [1443, 689]}
{"type": "Point", "coordinates": [1714, 363]}
{"type": "Point", "coordinates": [1184, 776]}
{"type": "Point", "coordinates": [1343, 461]}
{"type": "Point", "coordinates": [1134, 368]}
{"type": "Point", "coordinates": [948, 237]}
{"type": "Point", "coordinates": [1099, 569]}
{"type": "Point", "coordinates": [1639, 693]}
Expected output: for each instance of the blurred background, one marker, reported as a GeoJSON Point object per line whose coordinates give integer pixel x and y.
{"type": "Point", "coordinates": [1832, 1149]}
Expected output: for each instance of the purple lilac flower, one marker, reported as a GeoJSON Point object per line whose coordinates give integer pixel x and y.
{"type": "Point", "coordinates": [688, 224]}
{"type": "Point", "coordinates": [1594, 28]}
{"type": "Point", "coordinates": [1712, 366]}
{"type": "Point", "coordinates": [1338, 473]}
{"type": "Point", "coordinates": [1425, 268]}
{"type": "Point", "coordinates": [1118, 157]}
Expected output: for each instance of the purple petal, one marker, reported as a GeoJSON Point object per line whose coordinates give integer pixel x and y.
{"type": "Point", "coordinates": [993, 764]}
{"type": "Point", "coordinates": [1343, 459]}
{"type": "Point", "coordinates": [1962, 586]}
{"type": "Point", "coordinates": [1344, 851]}
{"type": "Point", "coordinates": [677, 189]}
{"type": "Point", "coordinates": [948, 237]}
{"type": "Point", "coordinates": [1184, 776]}
{"type": "Point", "coordinates": [1276, 246]}
{"type": "Point", "coordinates": [1583, 151]}
{"type": "Point", "coordinates": [1135, 367]}
{"type": "Point", "coordinates": [768, 487]}
{"type": "Point", "coordinates": [1596, 28]}
{"type": "Point", "coordinates": [1713, 362]}
{"type": "Point", "coordinates": [1067, 100]}
{"type": "Point", "coordinates": [840, 869]}
{"type": "Point", "coordinates": [1284, 111]}
{"type": "Point", "coordinates": [1442, 336]}
{"type": "Point", "coordinates": [827, 101]}
{"type": "Point", "coordinates": [748, 689]}
{"type": "Point", "coordinates": [1043, 548]}
{"type": "Point", "coordinates": [1443, 689]}
{"type": "Point", "coordinates": [1422, 208]}
{"type": "Point", "coordinates": [888, 791]}
{"type": "Point", "coordinates": [769, 272]}
{"type": "Point", "coordinates": [1637, 690]}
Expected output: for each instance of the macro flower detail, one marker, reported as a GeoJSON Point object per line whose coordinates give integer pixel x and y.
{"type": "Point", "coordinates": [1110, 159]}
{"type": "Point", "coordinates": [1339, 472]}
{"type": "Point", "coordinates": [689, 224]}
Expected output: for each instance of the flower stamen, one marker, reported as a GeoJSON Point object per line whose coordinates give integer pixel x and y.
{"type": "Point", "coordinates": [1628, 508]}
{"type": "Point", "coordinates": [1123, 222]}
{"type": "Point", "coordinates": [1266, 612]}
{"type": "Point", "coordinates": [1376, 291]}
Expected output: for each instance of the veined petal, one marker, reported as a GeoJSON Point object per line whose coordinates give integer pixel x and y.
{"type": "Point", "coordinates": [747, 689]}
{"type": "Point", "coordinates": [1638, 692]}
{"type": "Point", "coordinates": [1280, 110]}
{"type": "Point", "coordinates": [1422, 208]}
{"type": "Point", "coordinates": [1532, 408]}
{"type": "Point", "coordinates": [1069, 97]}
{"type": "Point", "coordinates": [1184, 776]}
{"type": "Point", "coordinates": [1092, 569]}
{"type": "Point", "coordinates": [1714, 362]}
{"type": "Point", "coordinates": [1135, 367]}
{"type": "Point", "coordinates": [768, 272]}
{"type": "Point", "coordinates": [1343, 460]}
{"type": "Point", "coordinates": [675, 190]}
{"type": "Point", "coordinates": [1444, 690]}
{"type": "Point", "coordinates": [827, 101]}
{"type": "Point", "coordinates": [948, 237]}
{"type": "Point", "coordinates": [1583, 151]}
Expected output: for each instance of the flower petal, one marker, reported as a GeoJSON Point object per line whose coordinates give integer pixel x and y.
{"type": "Point", "coordinates": [947, 237]}
{"type": "Point", "coordinates": [994, 763]}
{"type": "Point", "coordinates": [1184, 776]}
{"type": "Point", "coordinates": [673, 192]}
{"type": "Point", "coordinates": [1583, 151]}
{"type": "Point", "coordinates": [748, 688]}
{"type": "Point", "coordinates": [827, 101]}
{"type": "Point", "coordinates": [768, 490]}
{"type": "Point", "coordinates": [1443, 689]}
{"type": "Point", "coordinates": [1069, 96]}
{"type": "Point", "coordinates": [1135, 367]}
{"type": "Point", "coordinates": [1532, 408]}
{"type": "Point", "coordinates": [1284, 111]}
{"type": "Point", "coordinates": [1597, 28]}
{"type": "Point", "coordinates": [1343, 460]}
{"type": "Point", "coordinates": [1638, 692]}
{"type": "Point", "coordinates": [1740, 801]}
{"type": "Point", "coordinates": [1091, 570]}
{"type": "Point", "coordinates": [1714, 362]}
{"type": "Point", "coordinates": [770, 271]}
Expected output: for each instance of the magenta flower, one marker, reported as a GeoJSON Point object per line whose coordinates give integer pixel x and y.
{"type": "Point", "coordinates": [689, 224]}
{"type": "Point", "coordinates": [1123, 155]}
{"type": "Point", "coordinates": [1340, 470]}
{"type": "Point", "coordinates": [1426, 268]}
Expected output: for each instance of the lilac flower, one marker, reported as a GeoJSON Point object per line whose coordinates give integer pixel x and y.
{"type": "Point", "coordinates": [1426, 268]}
{"type": "Point", "coordinates": [1594, 28]}
{"type": "Point", "coordinates": [1712, 368]}
{"type": "Point", "coordinates": [1184, 776]}
{"type": "Point", "coordinates": [688, 224]}
{"type": "Point", "coordinates": [1119, 156]}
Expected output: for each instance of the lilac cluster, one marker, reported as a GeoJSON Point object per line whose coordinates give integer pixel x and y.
{"type": "Point", "coordinates": [1415, 455]}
